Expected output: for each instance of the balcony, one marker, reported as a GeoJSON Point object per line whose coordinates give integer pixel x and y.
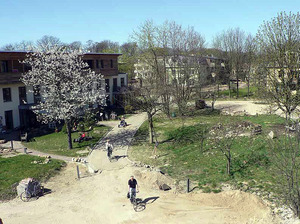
{"type": "Point", "coordinates": [10, 77]}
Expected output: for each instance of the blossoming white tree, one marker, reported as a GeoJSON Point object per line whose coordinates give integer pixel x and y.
{"type": "Point", "coordinates": [67, 86]}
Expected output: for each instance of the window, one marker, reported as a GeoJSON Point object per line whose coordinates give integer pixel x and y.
{"type": "Point", "coordinates": [97, 63]}
{"type": "Point", "coordinates": [107, 85]}
{"type": "Point", "coordinates": [22, 95]}
{"type": "Point", "coordinates": [115, 84]}
{"type": "Point", "coordinates": [27, 67]}
{"type": "Point", "coordinates": [9, 121]}
{"type": "Point", "coordinates": [111, 63]}
{"type": "Point", "coordinates": [36, 94]}
{"type": "Point", "coordinates": [3, 66]}
{"type": "Point", "coordinates": [90, 63]}
{"type": "Point", "coordinates": [6, 94]}
{"type": "Point", "coordinates": [102, 63]}
{"type": "Point", "coordinates": [122, 82]}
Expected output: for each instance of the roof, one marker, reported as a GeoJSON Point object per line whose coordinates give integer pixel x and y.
{"type": "Point", "coordinates": [88, 53]}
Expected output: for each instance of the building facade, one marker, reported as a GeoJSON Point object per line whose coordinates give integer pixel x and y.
{"type": "Point", "coordinates": [16, 99]}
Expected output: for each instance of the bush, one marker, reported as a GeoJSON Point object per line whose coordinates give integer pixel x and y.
{"type": "Point", "coordinates": [206, 190]}
{"type": "Point", "coordinates": [128, 109]}
{"type": "Point", "coordinates": [64, 128]}
{"type": "Point", "coordinates": [81, 126]}
{"type": "Point", "coordinates": [89, 120]}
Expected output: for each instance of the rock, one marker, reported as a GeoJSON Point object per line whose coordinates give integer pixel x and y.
{"type": "Point", "coordinates": [271, 135]}
{"type": "Point", "coordinates": [164, 187]}
{"type": "Point", "coordinates": [47, 160]}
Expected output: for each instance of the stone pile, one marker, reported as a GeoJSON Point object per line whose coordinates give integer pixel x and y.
{"type": "Point", "coordinates": [257, 130]}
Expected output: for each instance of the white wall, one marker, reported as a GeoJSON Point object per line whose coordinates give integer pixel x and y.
{"type": "Point", "coordinates": [111, 83]}
{"type": "Point", "coordinates": [14, 103]}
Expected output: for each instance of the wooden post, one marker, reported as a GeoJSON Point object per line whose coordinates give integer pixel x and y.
{"type": "Point", "coordinates": [78, 175]}
{"type": "Point", "coordinates": [188, 186]}
{"type": "Point", "coordinates": [12, 144]}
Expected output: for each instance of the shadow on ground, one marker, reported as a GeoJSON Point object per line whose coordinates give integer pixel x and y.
{"type": "Point", "coordinates": [141, 204]}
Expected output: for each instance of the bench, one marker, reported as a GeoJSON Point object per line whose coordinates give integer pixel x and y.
{"type": "Point", "coordinates": [24, 137]}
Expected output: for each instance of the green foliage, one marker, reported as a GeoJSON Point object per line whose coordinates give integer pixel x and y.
{"type": "Point", "coordinates": [64, 128]}
{"type": "Point", "coordinates": [14, 169]}
{"type": "Point", "coordinates": [206, 190]}
{"type": "Point", "coordinates": [89, 121]}
{"type": "Point", "coordinates": [81, 126]}
{"type": "Point", "coordinates": [128, 109]}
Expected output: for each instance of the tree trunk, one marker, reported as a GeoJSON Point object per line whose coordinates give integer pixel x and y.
{"type": "Point", "coordinates": [229, 163]}
{"type": "Point", "coordinates": [229, 89]}
{"type": "Point", "coordinates": [150, 122]}
{"type": "Point", "coordinates": [237, 87]}
{"type": "Point", "coordinates": [69, 131]}
{"type": "Point", "coordinates": [248, 84]}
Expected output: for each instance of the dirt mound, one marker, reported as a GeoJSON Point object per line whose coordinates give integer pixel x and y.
{"type": "Point", "coordinates": [153, 178]}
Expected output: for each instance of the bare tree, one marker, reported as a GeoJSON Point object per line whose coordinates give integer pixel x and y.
{"type": "Point", "coordinates": [148, 98]}
{"type": "Point", "coordinates": [223, 138]}
{"type": "Point", "coordinates": [47, 43]}
{"type": "Point", "coordinates": [284, 153]}
{"type": "Point", "coordinates": [232, 42]}
{"type": "Point", "coordinates": [186, 47]}
{"type": "Point", "coordinates": [249, 65]}
{"type": "Point", "coordinates": [279, 43]}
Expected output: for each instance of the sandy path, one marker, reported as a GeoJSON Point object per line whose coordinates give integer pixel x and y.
{"type": "Point", "coordinates": [100, 198]}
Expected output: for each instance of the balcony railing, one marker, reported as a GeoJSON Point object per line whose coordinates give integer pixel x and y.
{"type": "Point", "coordinates": [10, 77]}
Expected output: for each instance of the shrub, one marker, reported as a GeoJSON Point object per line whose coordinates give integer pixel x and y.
{"type": "Point", "coordinates": [128, 109]}
{"type": "Point", "coordinates": [64, 128]}
{"type": "Point", "coordinates": [206, 190]}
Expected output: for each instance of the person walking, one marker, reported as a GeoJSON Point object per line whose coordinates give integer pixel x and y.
{"type": "Point", "coordinates": [109, 148]}
{"type": "Point", "coordinates": [133, 187]}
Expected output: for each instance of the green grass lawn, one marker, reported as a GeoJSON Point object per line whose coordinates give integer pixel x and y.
{"type": "Point", "coordinates": [16, 168]}
{"type": "Point", "coordinates": [57, 143]}
{"type": "Point", "coordinates": [183, 155]}
{"type": "Point", "coordinates": [243, 92]}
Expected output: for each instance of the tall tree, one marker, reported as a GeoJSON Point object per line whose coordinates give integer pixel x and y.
{"type": "Point", "coordinates": [232, 42]}
{"type": "Point", "coordinates": [279, 43]}
{"type": "Point", "coordinates": [66, 85]}
{"type": "Point", "coordinates": [129, 56]}
{"type": "Point", "coordinates": [149, 72]}
{"type": "Point", "coordinates": [46, 43]}
{"type": "Point", "coordinates": [249, 65]}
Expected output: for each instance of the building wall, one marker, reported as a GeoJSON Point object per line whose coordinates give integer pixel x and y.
{"type": "Point", "coordinates": [14, 103]}
{"type": "Point", "coordinates": [119, 76]}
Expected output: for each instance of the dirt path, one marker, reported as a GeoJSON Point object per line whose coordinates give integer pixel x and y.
{"type": "Point", "coordinates": [101, 198]}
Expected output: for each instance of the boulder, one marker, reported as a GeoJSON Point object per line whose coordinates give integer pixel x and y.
{"type": "Point", "coordinates": [271, 135]}
{"type": "Point", "coordinates": [164, 187]}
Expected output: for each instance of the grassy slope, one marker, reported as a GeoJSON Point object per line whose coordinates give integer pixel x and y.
{"type": "Point", "coordinates": [16, 168]}
{"type": "Point", "coordinates": [185, 159]}
{"type": "Point", "coordinates": [57, 143]}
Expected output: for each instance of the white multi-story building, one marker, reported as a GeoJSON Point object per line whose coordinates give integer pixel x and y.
{"type": "Point", "coordinates": [16, 99]}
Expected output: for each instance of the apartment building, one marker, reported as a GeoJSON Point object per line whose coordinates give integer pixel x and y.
{"type": "Point", "coordinates": [175, 66]}
{"type": "Point", "coordinates": [16, 99]}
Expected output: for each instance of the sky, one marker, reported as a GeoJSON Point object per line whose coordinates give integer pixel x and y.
{"type": "Point", "coordinates": [115, 20]}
